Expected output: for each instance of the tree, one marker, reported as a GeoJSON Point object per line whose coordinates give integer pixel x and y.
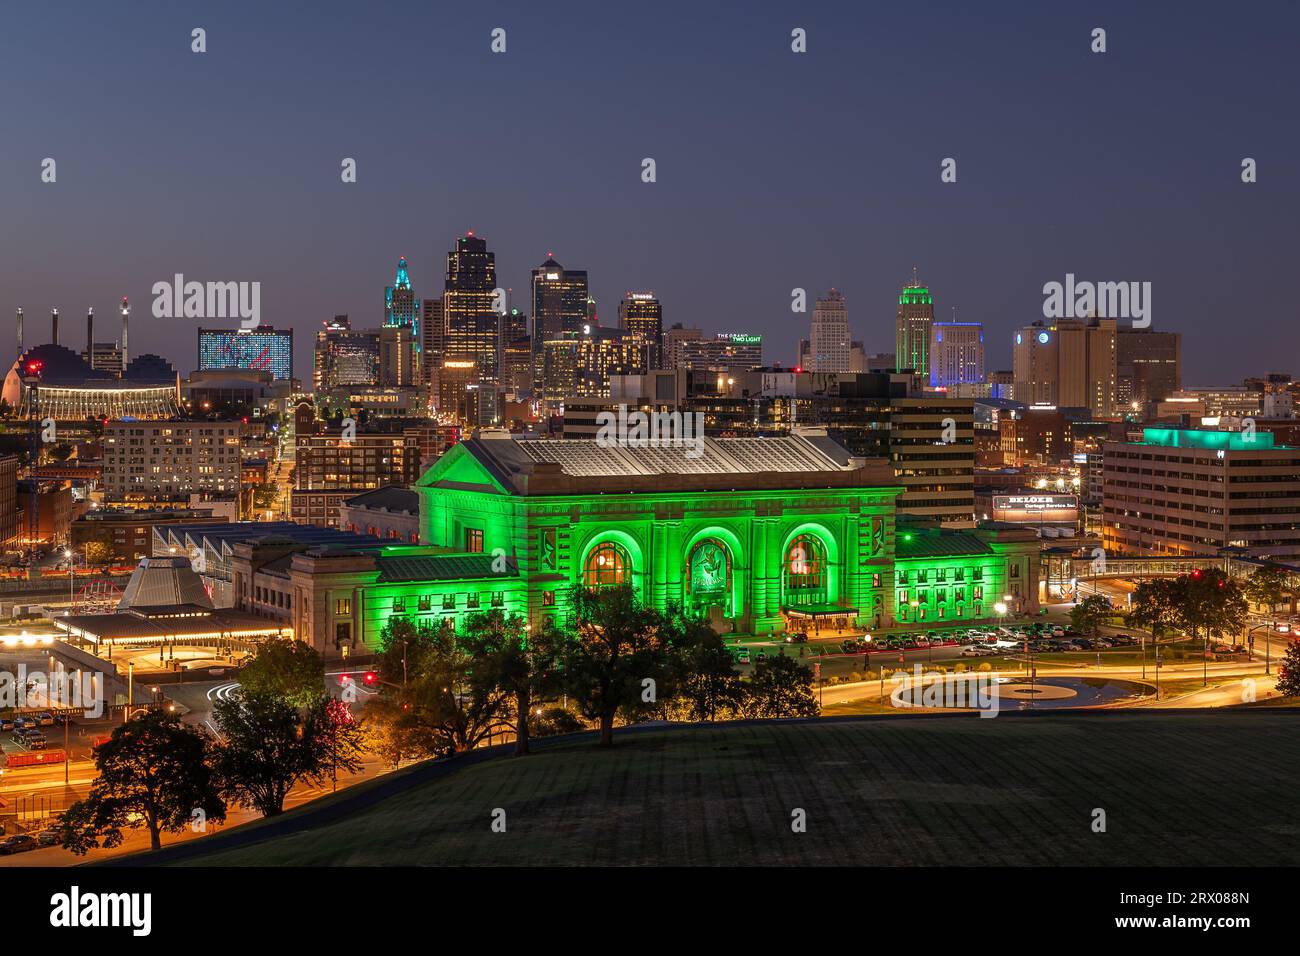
{"type": "Point", "coordinates": [437, 698]}
{"type": "Point", "coordinates": [270, 745]}
{"type": "Point", "coordinates": [97, 552]}
{"type": "Point", "coordinates": [288, 669]}
{"type": "Point", "coordinates": [704, 681]}
{"type": "Point", "coordinates": [1288, 674]}
{"type": "Point", "coordinates": [1155, 606]}
{"type": "Point", "coordinates": [1268, 586]}
{"type": "Point", "coordinates": [780, 687]}
{"type": "Point", "coordinates": [153, 772]}
{"type": "Point", "coordinates": [507, 657]}
{"type": "Point", "coordinates": [1209, 603]}
{"type": "Point", "coordinates": [1090, 614]}
{"type": "Point", "coordinates": [616, 655]}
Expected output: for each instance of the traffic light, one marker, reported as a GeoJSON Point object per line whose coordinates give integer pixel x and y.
{"type": "Point", "coordinates": [34, 366]}
{"type": "Point", "coordinates": [370, 678]}
{"type": "Point", "coordinates": [1197, 574]}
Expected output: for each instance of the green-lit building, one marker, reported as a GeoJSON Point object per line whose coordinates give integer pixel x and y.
{"type": "Point", "coordinates": [757, 534]}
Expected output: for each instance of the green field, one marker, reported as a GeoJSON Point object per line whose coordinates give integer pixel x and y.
{"type": "Point", "coordinates": [1178, 788]}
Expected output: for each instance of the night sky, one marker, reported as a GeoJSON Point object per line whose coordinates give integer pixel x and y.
{"type": "Point", "coordinates": [775, 169]}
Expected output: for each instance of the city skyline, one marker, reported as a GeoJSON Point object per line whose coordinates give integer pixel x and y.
{"type": "Point", "coordinates": [251, 191]}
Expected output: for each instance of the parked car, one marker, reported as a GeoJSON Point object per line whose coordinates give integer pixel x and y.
{"type": "Point", "coordinates": [6, 723]}
{"type": "Point", "coordinates": [23, 722]}
{"type": "Point", "coordinates": [50, 836]}
{"type": "Point", "coordinates": [18, 843]}
{"type": "Point", "coordinates": [798, 637]}
{"type": "Point", "coordinates": [741, 654]}
{"type": "Point", "coordinates": [972, 652]}
{"type": "Point", "coordinates": [45, 719]}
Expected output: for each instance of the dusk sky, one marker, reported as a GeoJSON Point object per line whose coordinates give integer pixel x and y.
{"type": "Point", "coordinates": [775, 169]}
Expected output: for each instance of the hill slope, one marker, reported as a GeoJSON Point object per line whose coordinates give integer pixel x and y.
{"type": "Point", "coordinates": [1177, 788]}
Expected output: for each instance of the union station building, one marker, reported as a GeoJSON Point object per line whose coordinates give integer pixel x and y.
{"type": "Point", "coordinates": [758, 535]}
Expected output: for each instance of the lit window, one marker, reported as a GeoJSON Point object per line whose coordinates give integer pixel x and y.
{"type": "Point", "coordinates": [607, 564]}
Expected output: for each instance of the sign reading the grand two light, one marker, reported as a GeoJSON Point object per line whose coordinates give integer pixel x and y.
{"type": "Point", "coordinates": [1035, 508]}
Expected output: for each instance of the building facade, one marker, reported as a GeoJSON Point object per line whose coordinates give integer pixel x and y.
{"type": "Point", "coordinates": [170, 460]}
{"type": "Point", "coordinates": [956, 354]}
{"type": "Point", "coordinates": [912, 328]}
{"type": "Point", "coordinates": [829, 340]}
{"type": "Point", "coordinates": [1191, 492]}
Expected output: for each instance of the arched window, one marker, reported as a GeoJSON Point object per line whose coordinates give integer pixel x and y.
{"type": "Point", "coordinates": [804, 574]}
{"type": "Point", "coordinates": [608, 564]}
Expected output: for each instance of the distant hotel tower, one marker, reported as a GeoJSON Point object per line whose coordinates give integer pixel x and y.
{"type": "Point", "coordinates": [912, 330]}
{"type": "Point", "coordinates": [399, 339]}
{"type": "Point", "coordinates": [640, 314]}
{"type": "Point", "coordinates": [472, 327]}
{"type": "Point", "coordinates": [828, 343]}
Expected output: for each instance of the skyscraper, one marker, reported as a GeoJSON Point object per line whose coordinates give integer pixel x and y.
{"type": "Point", "coordinates": [641, 315]}
{"type": "Point", "coordinates": [956, 353]}
{"type": "Point", "coordinates": [432, 337]}
{"type": "Point", "coordinates": [1071, 363]}
{"type": "Point", "coordinates": [1148, 365]}
{"type": "Point", "coordinates": [560, 299]}
{"type": "Point", "coordinates": [401, 331]}
{"type": "Point", "coordinates": [829, 343]}
{"type": "Point", "coordinates": [400, 305]}
{"type": "Point", "coordinates": [912, 327]}
{"type": "Point", "coordinates": [345, 356]}
{"type": "Point", "coordinates": [472, 326]}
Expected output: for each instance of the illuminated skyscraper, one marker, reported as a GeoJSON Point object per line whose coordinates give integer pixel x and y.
{"type": "Point", "coordinates": [472, 327]}
{"type": "Point", "coordinates": [912, 329]}
{"type": "Point", "coordinates": [956, 353]}
{"type": "Point", "coordinates": [640, 315]}
{"type": "Point", "coordinates": [829, 343]}
{"type": "Point", "coordinates": [560, 299]}
{"type": "Point", "coordinates": [345, 356]}
{"type": "Point", "coordinates": [400, 304]}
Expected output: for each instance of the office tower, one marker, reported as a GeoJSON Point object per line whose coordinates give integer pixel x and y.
{"type": "Point", "coordinates": [1148, 366]}
{"type": "Point", "coordinates": [829, 343]}
{"type": "Point", "coordinates": [1086, 375]}
{"type": "Point", "coordinates": [582, 363]}
{"type": "Point", "coordinates": [397, 355]}
{"type": "Point", "coordinates": [560, 298]}
{"type": "Point", "coordinates": [401, 307]}
{"type": "Point", "coordinates": [640, 315]}
{"type": "Point", "coordinates": [264, 349]}
{"type": "Point", "coordinates": [1177, 491]}
{"type": "Point", "coordinates": [956, 353]}
{"type": "Point", "coordinates": [912, 327]}
{"type": "Point", "coordinates": [472, 326]}
{"type": "Point", "coordinates": [674, 339]}
{"type": "Point", "coordinates": [345, 356]}
{"type": "Point", "coordinates": [1035, 363]}
{"type": "Point", "coordinates": [432, 339]}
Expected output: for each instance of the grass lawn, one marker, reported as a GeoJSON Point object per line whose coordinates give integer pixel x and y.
{"type": "Point", "coordinates": [1182, 789]}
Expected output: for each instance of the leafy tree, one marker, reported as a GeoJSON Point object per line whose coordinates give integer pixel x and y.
{"type": "Point", "coordinates": [1210, 603]}
{"type": "Point", "coordinates": [288, 669]}
{"type": "Point", "coordinates": [437, 699]}
{"type": "Point", "coordinates": [97, 552]}
{"type": "Point", "coordinates": [551, 721]}
{"type": "Point", "coordinates": [1288, 674]}
{"type": "Point", "coordinates": [1268, 586]}
{"type": "Point", "coordinates": [615, 645]}
{"type": "Point", "coordinates": [704, 681]}
{"type": "Point", "coordinates": [1155, 606]}
{"type": "Point", "coordinates": [1090, 614]}
{"type": "Point", "coordinates": [265, 496]}
{"type": "Point", "coordinates": [780, 687]}
{"type": "Point", "coordinates": [270, 745]}
{"type": "Point", "coordinates": [510, 659]}
{"type": "Point", "coordinates": [152, 772]}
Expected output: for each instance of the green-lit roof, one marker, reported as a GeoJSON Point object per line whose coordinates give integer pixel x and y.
{"type": "Point", "coordinates": [1212, 440]}
{"type": "Point", "coordinates": [933, 543]}
{"type": "Point", "coordinates": [441, 567]}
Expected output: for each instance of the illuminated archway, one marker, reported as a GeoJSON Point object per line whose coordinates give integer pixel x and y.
{"type": "Point", "coordinates": [608, 564]}
{"type": "Point", "coordinates": [737, 568]}
{"type": "Point", "coordinates": [805, 572]}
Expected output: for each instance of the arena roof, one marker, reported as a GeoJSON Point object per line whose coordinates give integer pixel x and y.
{"type": "Point", "coordinates": [176, 622]}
